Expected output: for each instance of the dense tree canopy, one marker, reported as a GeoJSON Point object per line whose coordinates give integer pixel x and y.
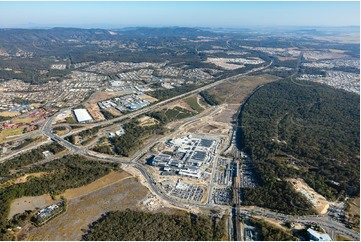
{"type": "Point", "coordinates": [306, 130]}
{"type": "Point", "coordinates": [141, 226]}
{"type": "Point", "coordinates": [67, 172]}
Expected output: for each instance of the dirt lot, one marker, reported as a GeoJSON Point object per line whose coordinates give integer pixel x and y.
{"type": "Point", "coordinates": [111, 178]}
{"type": "Point", "coordinates": [29, 203]}
{"type": "Point", "coordinates": [147, 121]}
{"type": "Point", "coordinates": [234, 92]}
{"type": "Point", "coordinates": [148, 98]}
{"type": "Point", "coordinates": [92, 106]}
{"type": "Point", "coordinates": [320, 202]}
{"type": "Point", "coordinates": [94, 111]}
{"type": "Point", "coordinates": [100, 96]}
{"type": "Point", "coordinates": [179, 103]}
{"type": "Point", "coordinates": [84, 210]}
{"type": "Point", "coordinates": [225, 116]}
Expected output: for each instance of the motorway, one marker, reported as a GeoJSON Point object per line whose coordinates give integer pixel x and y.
{"type": "Point", "coordinates": [325, 221]}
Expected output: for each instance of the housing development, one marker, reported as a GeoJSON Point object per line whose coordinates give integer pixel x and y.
{"type": "Point", "coordinates": [241, 132]}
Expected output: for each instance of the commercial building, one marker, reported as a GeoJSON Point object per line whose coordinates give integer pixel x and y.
{"type": "Point", "coordinates": [317, 236]}
{"type": "Point", "coordinates": [82, 115]}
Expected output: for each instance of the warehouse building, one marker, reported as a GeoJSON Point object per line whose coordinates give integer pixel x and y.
{"type": "Point", "coordinates": [82, 116]}
{"type": "Point", "coordinates": [317, 236]}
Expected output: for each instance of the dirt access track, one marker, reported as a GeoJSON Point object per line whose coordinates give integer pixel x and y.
{"type": "Point", "coordinates": [115, 191]}
{"type": "Point", "coordinates": [319, 202]}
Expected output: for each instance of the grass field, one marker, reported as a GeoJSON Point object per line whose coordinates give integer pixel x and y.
{"type": "Point", "coordinates": [104, 181]}
{"type": "Point", "coordinates": [234, 92]}
{"type": "Point", "coordinates": [178, 113]}
{"type": "Point", "coordinates": [193, 103]}
{"type": "Point", "coordinates": [9, 132]}
{"type": "Point", "coordinates": [84, 210]}
{"type": "Point", "coordinates": [9, 114]}
{"type": "Point", "coordinates": [25, 120]}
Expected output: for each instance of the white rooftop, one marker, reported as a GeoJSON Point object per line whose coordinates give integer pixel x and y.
{"type": "Point", "coordinates": [318, 236]}
{"type": "Point", "coordinates": [82, 115]}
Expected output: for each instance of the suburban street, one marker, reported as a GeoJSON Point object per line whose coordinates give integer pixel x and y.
{"type": "Point", "coordinates": [325, 221]}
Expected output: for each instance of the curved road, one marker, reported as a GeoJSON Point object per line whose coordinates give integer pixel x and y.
{"type": "Point", "coordinates": [47, 130]}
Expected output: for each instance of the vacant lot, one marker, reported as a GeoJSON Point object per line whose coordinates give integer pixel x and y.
{"type": "Point", "coordinates": [193, 103]}
{"type": "Point", "coordinates": [148, 98]}
{"type": "Point", "coordinates": [9, 114]}
{"type": "Point", "coordinates": [234, 92]}
{"type": "Point", "coordinates": [104, 181]}
{"type": "Point", "coordinates": [147, 121]}
{"type": "Point", "coordinates": [320, 202]}
{"type": "Point", "coordinates": [7, 134]}
{"type": "Point", "coordinates": [29, 203]}
{"type": "Point", "coordinates": [94, 111]}
{"type": "Point", "coordinates": [84, 210]}
{"type": "Point", "coordinates": [92, 106]}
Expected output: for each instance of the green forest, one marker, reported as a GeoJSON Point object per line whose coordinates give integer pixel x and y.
{"type": "Point", "coordinates": [30, 157]}
{"type": "Point", "coordinates": [128, 143]}
{"type": "Point", "coordinates": [67, 172]}
{"type": "Point", "coordinates": [305, 130]}
{"type": "Point", "coordinates": [143, 226]}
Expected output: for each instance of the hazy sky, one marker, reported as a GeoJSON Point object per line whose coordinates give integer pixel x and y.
{"type": "Point", "coordinates": [192, 14]}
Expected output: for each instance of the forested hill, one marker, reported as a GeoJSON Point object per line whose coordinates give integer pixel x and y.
{"type": "Point", "coordinates": [304, 130]}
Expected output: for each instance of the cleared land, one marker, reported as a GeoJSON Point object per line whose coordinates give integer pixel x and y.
{"type": "Point", "coordinates": [92, 106]}
{"type": "Point", "coordinates": [9, 114]}
{"type": "Point", "coordinates": [21, 179]}
{"type": "Point", "coordinates": [148, 98]}
{"type": "Point", "coordinates": [147, 121]}
{"type": "Point", "coordinates": [194, 104]}
{"type": "Point", "coordinates": [20, 205]}
{"type": "Point", "coordinates": [320, 202]}
{"type": "Point", "coordinates": [234, 92]}
{"type": "Point", "coordinates": [84, 210]}
{"type": "Point", "coordinates": [7, 134]}
{"type": "Point", "coordinates": [107, 180]}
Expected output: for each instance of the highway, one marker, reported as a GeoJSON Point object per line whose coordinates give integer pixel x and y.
{"type": "Point", "coordinates": [47, 130]}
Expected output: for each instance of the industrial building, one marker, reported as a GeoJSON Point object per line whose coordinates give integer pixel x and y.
{"type": "Point", "coordinates": [317, 236]}
{"type": "Point", "coordinates": [190, 156]}
{"type": "Point", "coordinates": [82, 115]}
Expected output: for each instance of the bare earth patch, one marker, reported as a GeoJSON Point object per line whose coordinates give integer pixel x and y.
{"type": "Point", "coordinates": [92, 106]}
{"type": "Point", "coordinates": [148, 98]}
{"type": "Point", "coordinates": [107, 180]}
{"type": "Point", "coordinates": [19, 205]}
{"type": "Point", "coordinates": [234, 92]}
{"type": "Point", "coordinates": [147, 121]}
{"type": "Point", "coordinates": [319, 202]}
{"type": "Point", "coordinates": [94, 111]}
{"type": "Point", "coordinates": [179, 103]}
{"type": "Point", "coordinates": [84, 210]}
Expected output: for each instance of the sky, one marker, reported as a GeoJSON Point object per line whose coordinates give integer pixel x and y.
{"type": "Point", "coordinates": [187, 14]}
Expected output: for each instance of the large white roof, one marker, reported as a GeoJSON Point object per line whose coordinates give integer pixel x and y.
{"type": "Point", "coordinates": [318, 235]}
{"type": "Point", "coordinates": [82, 115]}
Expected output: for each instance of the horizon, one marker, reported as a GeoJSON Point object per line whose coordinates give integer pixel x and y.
{"type": "Point", "coordinates": [110, 15]}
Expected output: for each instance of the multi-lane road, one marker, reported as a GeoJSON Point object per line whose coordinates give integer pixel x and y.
{"type": "Point", "coordinates": [46, 129]}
